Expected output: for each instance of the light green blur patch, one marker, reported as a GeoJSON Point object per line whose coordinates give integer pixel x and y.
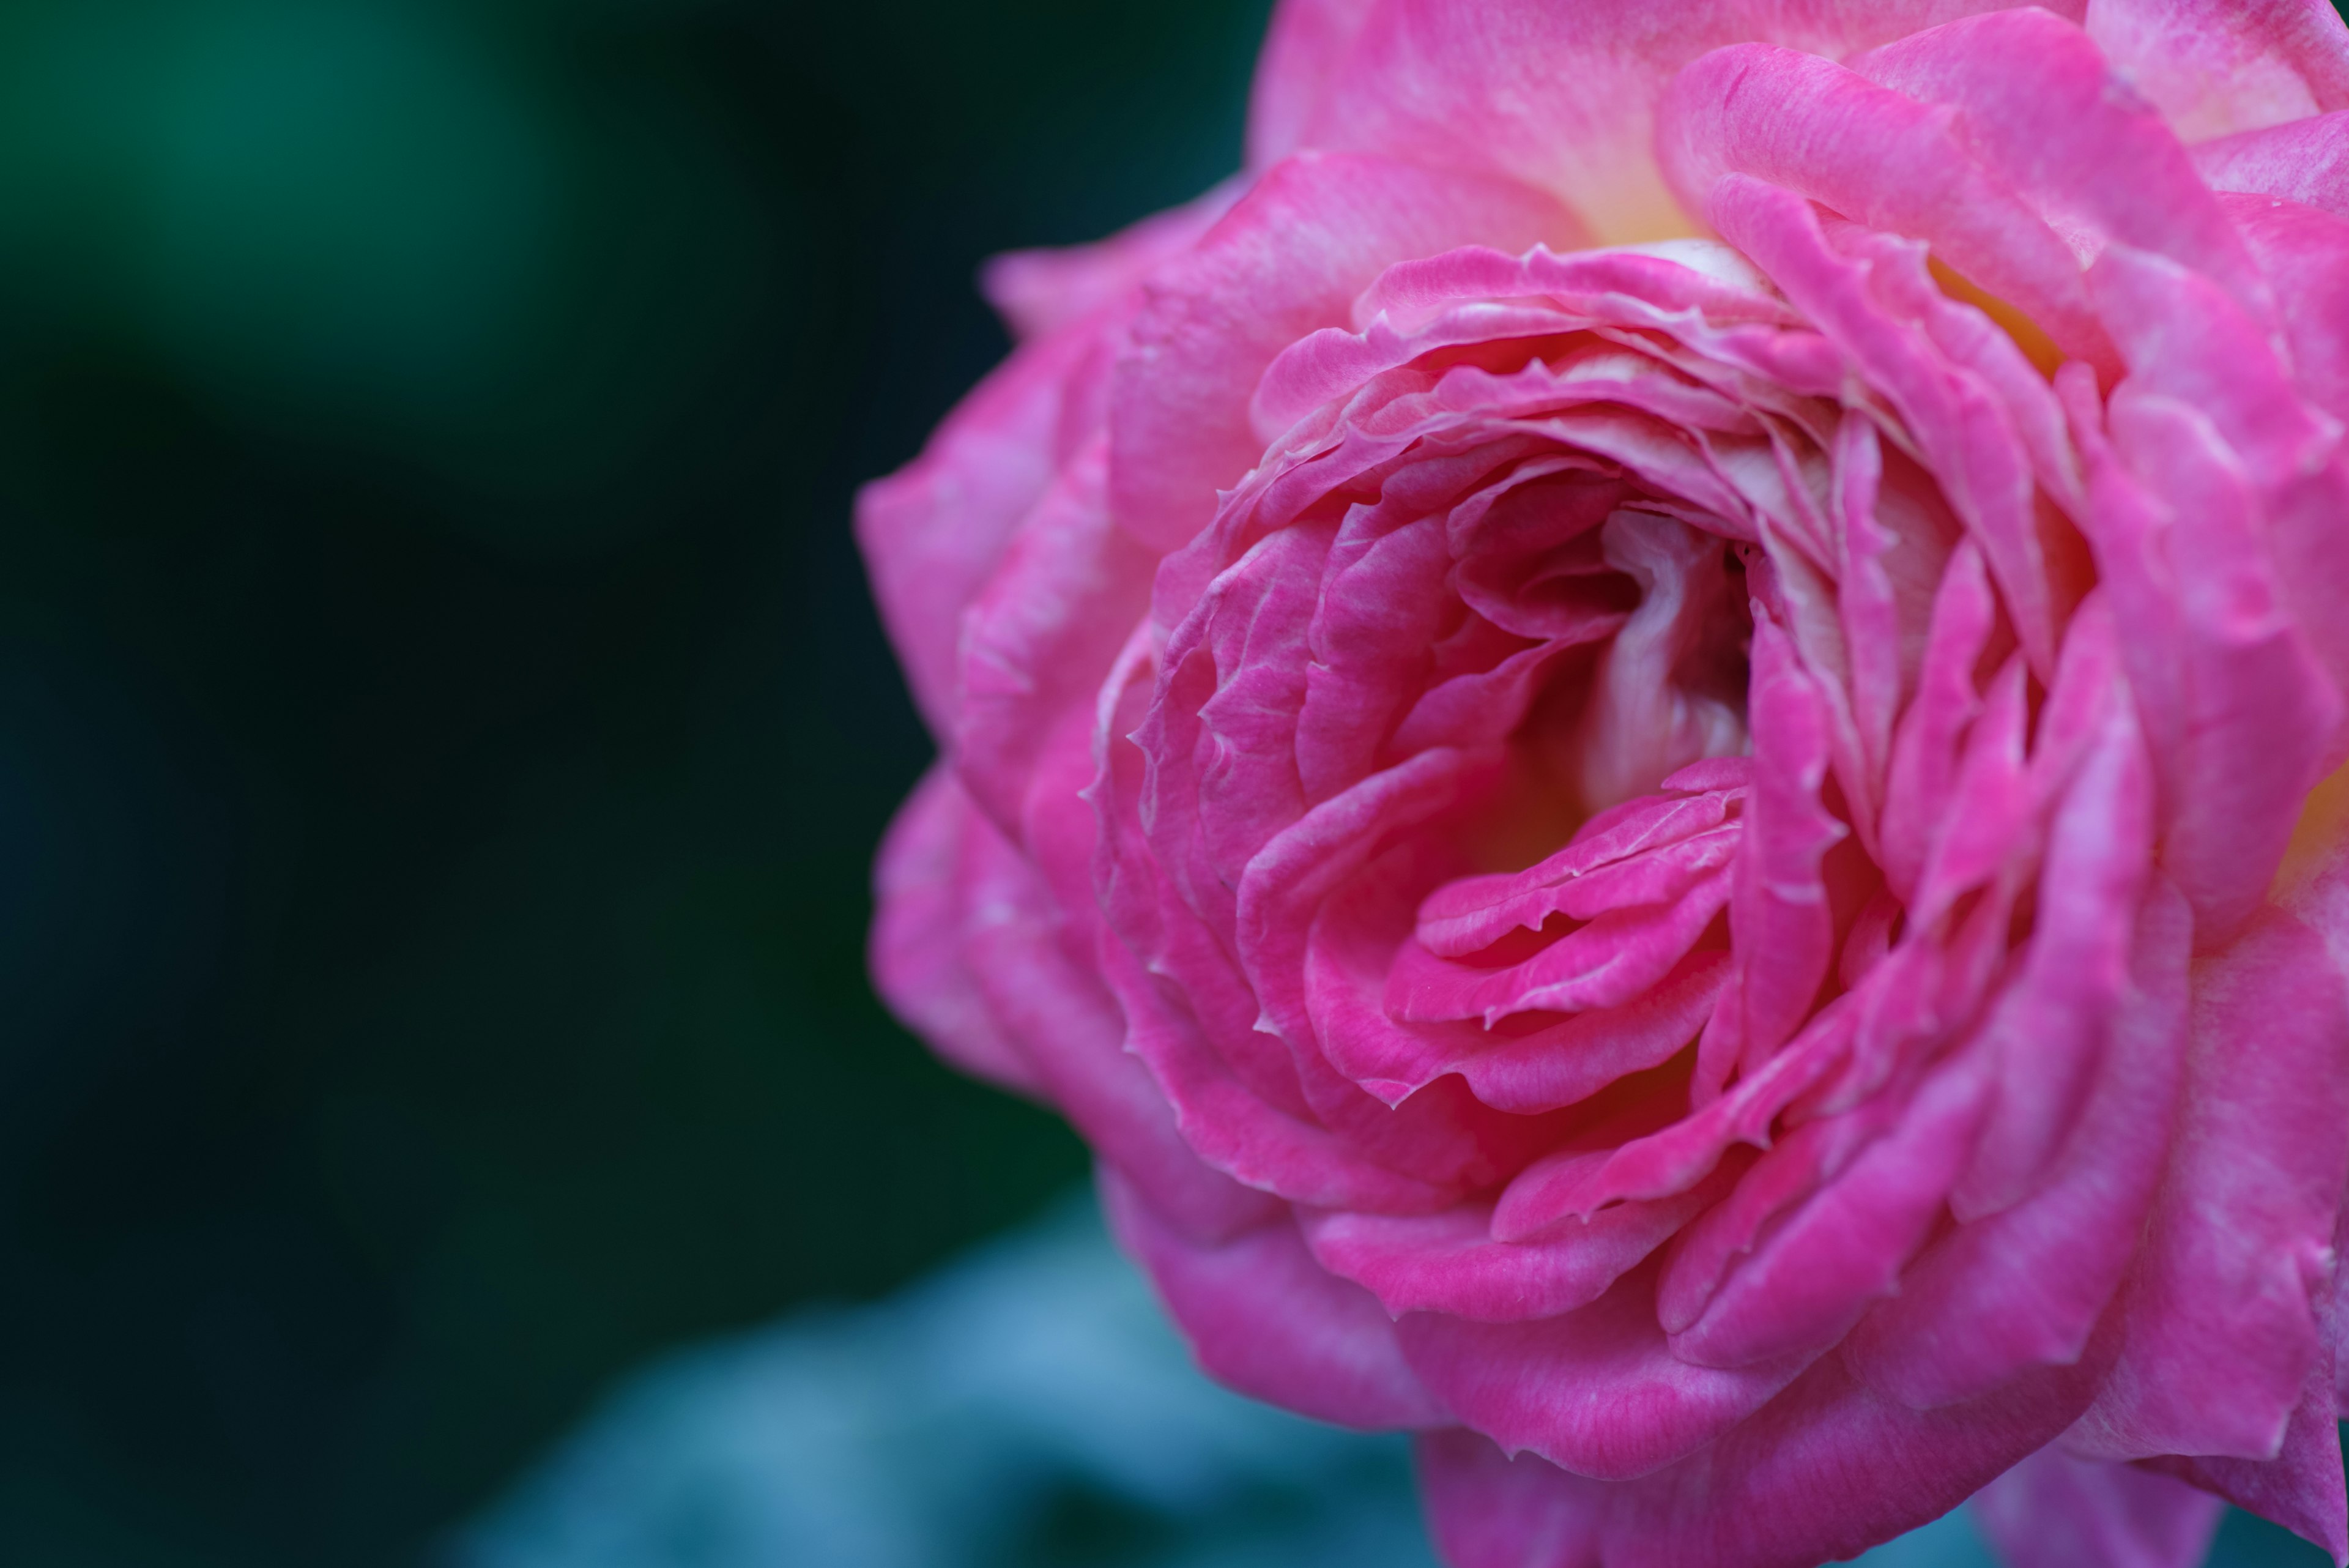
{"type": "Point", "coordinates": [295, 200]}
{"type": "Point", "coordinates": [368, 223]}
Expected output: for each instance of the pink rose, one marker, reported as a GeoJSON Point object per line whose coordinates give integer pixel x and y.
{"type": "Point", "coordinates": [1639, 735]}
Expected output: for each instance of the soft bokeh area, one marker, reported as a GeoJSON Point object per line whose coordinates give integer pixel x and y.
{"type": "Point", "coordinates": [443, 733]}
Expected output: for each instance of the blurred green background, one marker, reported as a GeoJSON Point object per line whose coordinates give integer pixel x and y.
{"type": "Point", "coordinates": [442, 731]}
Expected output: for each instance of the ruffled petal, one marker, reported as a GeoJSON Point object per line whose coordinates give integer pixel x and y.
{"type": "Point", "coordinates": [2043, 111]}
{"type": "Point", "coordinates": [1812, 127]}
{"type": "Point", "coordinates": [1289, 258]}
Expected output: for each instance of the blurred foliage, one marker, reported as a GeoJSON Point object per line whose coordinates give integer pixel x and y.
{"type": "Point", "coordinates": [443, 731]}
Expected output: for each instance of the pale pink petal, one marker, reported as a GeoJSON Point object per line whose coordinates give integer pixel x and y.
{"type": "Point", "coordinates": [2302, 161]}
{"type": "Point", "coordinates": [1304, 49]}
{"type": "Point", "coordinates": [2215, 66]}
{"type": "Point", "coordinates": [1474, 85]}
{"type": "Point", "coordinates": [2044, 113]}
{"type": "Point", "coordinates": [1040, 292]}
{"type": "Point", "coordinates": [1812, 127]}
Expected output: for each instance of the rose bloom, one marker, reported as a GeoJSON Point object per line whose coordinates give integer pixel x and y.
{"type": "Point", "coordinates": [1646, 734]}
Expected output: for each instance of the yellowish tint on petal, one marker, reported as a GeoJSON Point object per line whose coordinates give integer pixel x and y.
{"type": "Point", "coordinates": [1628, 206]}
{"type": "Point", "coordinates": [2036, 346]}
{"type": "Point", "coordinates": [2317, 839]}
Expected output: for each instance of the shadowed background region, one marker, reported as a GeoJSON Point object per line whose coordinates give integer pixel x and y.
{"type": "Point", "coordinates": [443, 728]}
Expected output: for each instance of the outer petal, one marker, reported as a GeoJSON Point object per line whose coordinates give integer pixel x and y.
{"type": "Point", "coordinates": [2219, 1330]}
{"type": "Point", "coordinates": [2302, 1488]}
{"type": "Point", "coordinates": [1288, 260]}
{"type": "Point", "coordinates": [2305, 253]}
{"type": "Point", "coordinates": [2303, 161]}
{"type": "Point", "coordinates": [1039, 292]}
{"type": "Point", "coordinates": [1597, 1391]}
{"type": "Point", "coordinates": [2055, 1512]}
{"type": "Point", "coordinates": [1040, 636]}
{"type": "Point", "coordinates": [1825, 1471]}
{"type": "Point", "coordinates": [1475, 85]}
{"type": "Point", "coordinates": [916, 945]}
{"type": "Point", "coordinates": [1266, 1319]}
{"type": "Point", "coordinates": [2219, 66]}
{"type": "Point", "coordinates": [1070, 1032]}
{"type": "Point", "coordinates": [1305, 50]}
{"type": "Point", "coordinates": [933, 532]}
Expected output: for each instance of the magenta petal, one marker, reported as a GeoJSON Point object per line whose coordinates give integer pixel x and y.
{"type": "Point", "coordinates": [1450, 1262]}
{"type": "Point", "coordinates": [1824, 1471]}
{"type": "Point", "coordinates": [1971, 435]}
{"type": "Point", "coordinates": [1779, 915]}
{"type": "Point", "coordinates": [932, 532]}
{"type": "Point", "coordinates": [2305, 253]}
{"type": "Point", "coordinates": [1069, 1029]}
{"type": "Point", "coordinates": [1038, 640]}
{"type": "Point", "coordinates": [2219, 1326]}
{"type": "Point", "coordinates": [1491, 1509]}
{"type": "Point", "coordinates": [1596, 1391]}
{"type": "Point", "coordinates": [2055, 1512]}
{"type": "Point", "coordinates": [2302, 1488]}
{"type": "Point", "coordinates": [917, 927]}
{"type": "Point", "coordinates": [2028, 1285]}
{"type": "Point", "coordinates": [1264, 1318]}
{"type": "Point", "coordinates": [1843, 1249]}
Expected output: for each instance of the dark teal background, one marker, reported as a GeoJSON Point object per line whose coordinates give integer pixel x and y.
{"type": "Point", "coordinates": [443, 731]}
